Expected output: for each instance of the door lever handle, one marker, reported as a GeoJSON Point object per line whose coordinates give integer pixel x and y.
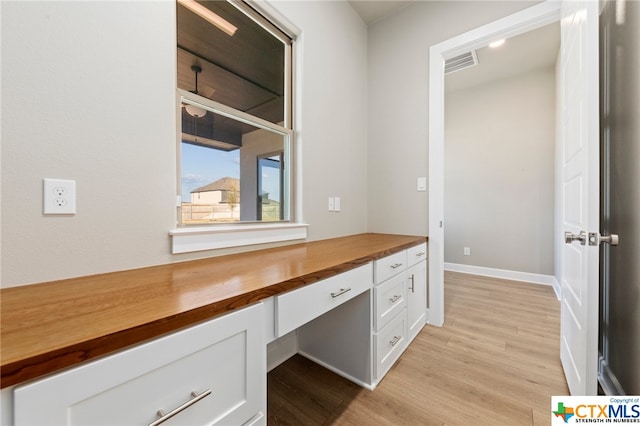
{"type": "Point", "coordinates": [596, 239]}
{"type": "Point", "coordinates": [569, 237]}
{"type": "Point", "coordinates": [612, 239]}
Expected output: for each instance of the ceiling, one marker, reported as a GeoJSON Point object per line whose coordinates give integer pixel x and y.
{"type": "Point", "coordinates": [252, 81]}
{"type": "Point", "coordinates": [526, 52]}
{"type": "Point", "coordinates": [372, 11]}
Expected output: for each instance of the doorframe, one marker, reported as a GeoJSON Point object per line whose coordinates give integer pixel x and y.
{"type": "Point", "coordinates": [526, 20]}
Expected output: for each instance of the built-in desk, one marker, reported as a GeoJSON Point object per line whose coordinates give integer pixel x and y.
{"type": "Point", "coordinates": [52, 326]}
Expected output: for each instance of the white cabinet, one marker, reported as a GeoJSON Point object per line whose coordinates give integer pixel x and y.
{"type": "Point", "coordinates": [416, 298]}
{"type": "Point", "coordinates": [297, 307]}
{"type": "Point", "coordinates": [390, 298]}
{"type": "Point", "coordinates": [389, 326]}
{"type": "Point", "coordinates": [389, 266]}
{"type": "Point", "coordinates": [400, 305]}
{"type": "Point", "coordinates": [389, 344]}
{"type": "Point", "coordinates": [362, 336]}
{"type": "Point", "coordinates": [417, 289]}
{"type": "Point", "coordinates": [334, 320]}
{"type": "Point", "coordinates": [356, 323]}
{"type": "Point", "coordinates": [210, 373]}
{"type": "Point", "coordinates": [416, 254]}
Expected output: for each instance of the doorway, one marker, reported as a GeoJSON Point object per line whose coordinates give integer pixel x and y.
{"type": "Point", "coordinates": [269, 203]}
{"type": "Point", "coordinates": [521, 22]}
{"type": "Point", "coordinates": [501, 124]}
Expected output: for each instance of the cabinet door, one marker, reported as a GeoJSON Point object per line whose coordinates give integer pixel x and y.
{"type": "Point", "coordinates": [389, 344]}
{"type": "Point", "coordinates": [222, 361]}
{"type": "Point", "coordinates": [416, 297]}
{"type": "Point", "coordinates": [390, 298]}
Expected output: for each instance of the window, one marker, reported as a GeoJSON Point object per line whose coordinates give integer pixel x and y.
{"type": "Point", "coordinates": [223, 157]}
{"type": "Point", "coordinates": [233, 76]}
{"type": "Point", "coordinates": [235, 143]}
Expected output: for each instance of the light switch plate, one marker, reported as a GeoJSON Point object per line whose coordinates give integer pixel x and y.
{"type": "Point", "coordinates": [336, 204]}
{"type": "Point", "coordinates": [421, 184]}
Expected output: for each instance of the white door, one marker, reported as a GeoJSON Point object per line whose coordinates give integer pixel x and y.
{"type": "Point", "coordinates": [580, 194]}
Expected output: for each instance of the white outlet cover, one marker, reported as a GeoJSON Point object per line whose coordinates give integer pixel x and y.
{"type": "Point", "coordinates": [59, 196]}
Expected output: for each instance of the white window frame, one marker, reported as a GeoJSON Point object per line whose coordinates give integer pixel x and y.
{"type": "Point", "coordinates": [186, 239]}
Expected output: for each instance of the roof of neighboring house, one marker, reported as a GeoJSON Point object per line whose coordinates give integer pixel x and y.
{"type": "Point", "coordinates": [224, 184]}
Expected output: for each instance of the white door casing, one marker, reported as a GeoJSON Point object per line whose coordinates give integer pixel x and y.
{"type": "Point", "coordinates": [580, 194]}
{"type": "Point", "coordinates": [526, 20]}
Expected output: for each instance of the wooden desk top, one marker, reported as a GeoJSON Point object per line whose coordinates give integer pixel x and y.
{"type": "Point", "coordinates": [47, 327]}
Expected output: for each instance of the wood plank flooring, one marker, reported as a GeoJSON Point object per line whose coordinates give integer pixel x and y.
{"type": "Point", "coordinates": [496, 361]}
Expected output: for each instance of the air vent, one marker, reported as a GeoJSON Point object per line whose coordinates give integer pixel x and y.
{"type": "Point", "coordinates": [460, 62]}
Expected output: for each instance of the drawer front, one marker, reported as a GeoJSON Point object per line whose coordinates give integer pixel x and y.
{"type": "Point", "coordinates": [300, 306]}
{"type": "Point", "coordinates": [390, 298]}
{"type": "Point", "coordinates": [390, 343]}
{"type": "Point", "coordinates": [416, 254]}
{"type": "Point", "coordinates": [390, 266]}
{"type": "Point", "coordinates": [223, 360]}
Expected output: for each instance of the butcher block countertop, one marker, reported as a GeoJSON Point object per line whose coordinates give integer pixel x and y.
{"type": "Point", "coordinates": [49, 326]}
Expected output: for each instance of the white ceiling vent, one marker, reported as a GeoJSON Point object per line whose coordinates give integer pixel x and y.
{"type": "Point", "coordinates": [460, 62]}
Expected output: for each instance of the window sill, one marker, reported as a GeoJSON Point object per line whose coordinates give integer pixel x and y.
{"type": "Point", "coordinates": [186, 240]}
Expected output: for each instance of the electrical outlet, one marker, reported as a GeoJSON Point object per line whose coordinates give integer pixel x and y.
{"type": "Point", "coordinates": [467, 251]}
{"type": "Point", "coordinates": [59, 196]}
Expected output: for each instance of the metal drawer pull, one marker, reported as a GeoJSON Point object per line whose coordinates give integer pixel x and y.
{"type": "Point", "coordinates": [420, 254]}
{"type": "Point", "coordinates": [338, 293]}
{"type": "Point", "coordinates": [395, 340]}
{"type": "Point", "coordinates": [413, 284]}
{"type": "Point", "coordinates": [394, 298]}
{"type": "Point", "coordinates": [166, 416]}
{"type": "Point", "coordinates": [395, 265]}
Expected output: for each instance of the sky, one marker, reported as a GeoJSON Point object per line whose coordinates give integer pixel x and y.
{"type": "Point", "coordinates": [202, 166]}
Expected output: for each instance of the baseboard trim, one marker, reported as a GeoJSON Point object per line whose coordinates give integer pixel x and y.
{"type": "Point", "coordinates": [504, 274]}
{"type": "Point", "coordinates": [368, 386]}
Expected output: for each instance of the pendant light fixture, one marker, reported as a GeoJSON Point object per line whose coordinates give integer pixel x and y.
{"type": "Point", "coordinates": [193, 110]}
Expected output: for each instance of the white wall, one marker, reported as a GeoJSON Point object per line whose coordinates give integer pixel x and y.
{"type": "Point", "coordinates": [398, 104]}
{"type": "Point", "coordinates": [499, 174]}
{"type": "Point", "coordinates": [88, 93]}
{"type": "Point", "coordinates": [331, 115]}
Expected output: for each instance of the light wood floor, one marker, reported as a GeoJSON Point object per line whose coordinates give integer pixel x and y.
{"type": "Point", "coordinates": [495, 362]}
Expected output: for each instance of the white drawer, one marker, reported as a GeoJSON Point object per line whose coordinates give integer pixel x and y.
{"type": "Point", "coordinates": [390, 343]}
{"type": "Point", "coordinates": [416, 254]}
{"type": "Point", "coordinates": [390, 266]}
{"type": "Point", "coordinates": [300, 306]}
{"type": "Point", "coordinates": [389, 299]}
{"type": "Point", "coordinates": [225, 355]}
